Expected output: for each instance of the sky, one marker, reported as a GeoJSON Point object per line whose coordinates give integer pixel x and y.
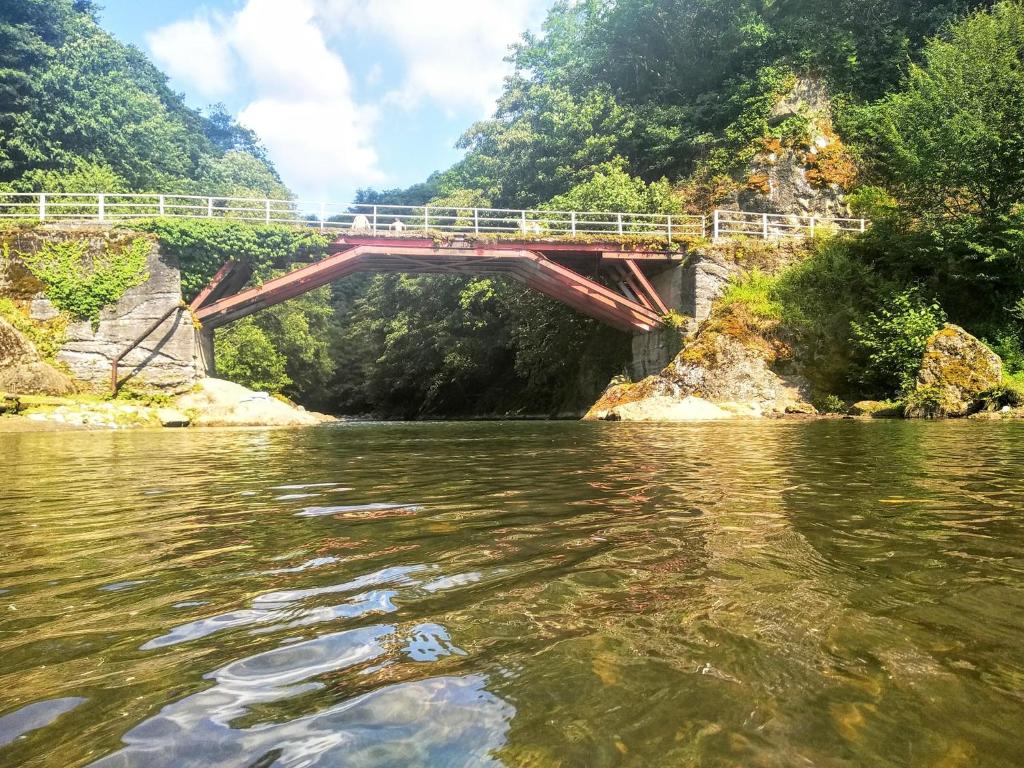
{"type": "Point", "coordinates": [343, 93]}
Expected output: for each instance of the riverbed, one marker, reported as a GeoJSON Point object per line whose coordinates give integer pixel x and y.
{"type": "Point", "coordinates": [826, 593]}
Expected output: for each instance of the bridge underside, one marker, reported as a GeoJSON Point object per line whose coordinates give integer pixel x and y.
{"type": "Point", "coordinates": [554, 269]}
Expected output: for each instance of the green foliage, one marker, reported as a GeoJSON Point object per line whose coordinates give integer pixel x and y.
{"type": "Point", "coordinates": [893, 339]}
{"type": "Point", "coordinates": [1009, 394]}
{"type": "Point", "coordinates": [611, 188]}
{"type": "Point", "coordinates": [245, 355]}
{"type": "Point", "coordinates": [872, 203]}
{"type": "Point", "coordinates": [302, 331]}
{"type": "Point", "coordinates": [755, 290]}
{"type": "Point", "coordinates": [203, 246]}
{"type": "Point", "coordinates": [829, 404]}
{"type": "Point", "coordinates": [82, 284]}
{"type": "Point", "coordinates": [952, 142]}
{"type": "Point", "coordinates": [80, 109]}
{"type": "Point", "coordinates": [925, 403]}
{"type": "Point", "coordinates": [82, 177]}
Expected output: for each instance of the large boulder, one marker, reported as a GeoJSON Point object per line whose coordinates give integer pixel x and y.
{"type": "Point", "coordinates": [663, 409]}
{"type": "Point", "coordinates": [15, 348]}
{"type": "Point", "coordinates": [23, 372]}
{"type": "Point", "coordinates": [36, 378]}
{"type": "Point", "coordinates": [218, 403]}
{"type": "Point", "coordinates": [723, 369]}
{"type": "Point", "coordinates": [625, 393]}
{"type": "Point", "coordinates": [955, 370]}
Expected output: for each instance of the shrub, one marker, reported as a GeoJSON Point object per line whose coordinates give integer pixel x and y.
{"type": "Point", "coordinates": [893, 339]}
{"type": "Point", "coordinates": [829, 404]}
{"type": "Point", "coordinates": [83, 290]}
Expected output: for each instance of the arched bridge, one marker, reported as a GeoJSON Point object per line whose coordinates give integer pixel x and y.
{"type": "Point", "coordinates": [578, 258]}
{"type": "Point", "coordinates": [576, 274]}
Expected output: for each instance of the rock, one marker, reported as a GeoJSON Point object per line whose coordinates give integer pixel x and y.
{"type": "Point", "coordinates": [662, 408]}
{"type": "Point", "coordinates": [801, 409]}
{"type": "Point", "coordinates": [957, 368]}
{"type": "Point", "coordinates": [9, 404]}
{"type": "Point", "coordinates": [15, 348]}
{"type": "Point", "coordinates": [218, 403]}
{"type": "Point", "coordinates": [37, 378]}
{"type": "Point", "coordinates": [172, 418]}
{"type": "Point", "coordinates": [728, 371]}
{"type": "Point", "coordinates": [876, 409]}
{"type": "Point", "coordinates": [620, 394]}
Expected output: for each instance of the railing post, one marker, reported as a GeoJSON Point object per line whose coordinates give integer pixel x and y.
{"type": "Point", "coordinates": [209, 207]}
{"type": "Point", "coordinates": [266, 211]}
{"type": "Point", "coordinates": [101, 206]}
{"type": "Point", "coordinates": [812, 227]}
{"type": "Point", "coordinates": [426, 218]}
{"type": "Point", "coordinates": [863, 225]}
{"type": "Point", "coordinates": [717, 224]}
{"type": "Point", "coordinates": [703, 227]}
{"type": "Point", "coordinates": [476, 220]}
{"type": "Point", "coordinates": [619, 217]}
{"type": "Point", "coordinates": [42, 207]}
{"type": "Point", "coordinates": [375, 219]}
{"type": "Point", "coordinates": [160, 205]}
{"type": "Point", "coordinates": [522, 225]}
{"type": "Point", "coordinates": [323, 210]}
{"type": "Point", "coordinates": [572, 222]}
{"type": "Point", "coordinates": [765, 226]}
{"type": "Point", "coordinates": [670, 229]}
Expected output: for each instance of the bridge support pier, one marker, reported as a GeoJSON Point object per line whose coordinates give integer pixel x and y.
{"type": "Point", "coordinates": [690, 289]}
{"type": "Point", "coordinates": [205, 364]}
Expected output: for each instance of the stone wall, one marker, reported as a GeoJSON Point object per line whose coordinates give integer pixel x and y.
{"type": "Point", "coordinates": [167, 359]}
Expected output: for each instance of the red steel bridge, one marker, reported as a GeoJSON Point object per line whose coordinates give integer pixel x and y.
{"type": "Point", "coordinates": [600, 280]}
{"type": "Point", "coordinates": [578, 258]}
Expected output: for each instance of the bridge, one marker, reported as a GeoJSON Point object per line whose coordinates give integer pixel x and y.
{"type": "Point", "coordinates": [599, 263]}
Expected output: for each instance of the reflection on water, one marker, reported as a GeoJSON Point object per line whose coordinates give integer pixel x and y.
{"type": "Point", "coordinates": [779, 594]}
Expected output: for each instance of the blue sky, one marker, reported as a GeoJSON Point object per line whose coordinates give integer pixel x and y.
{"type": "Point", "coordinates": [344, 93]}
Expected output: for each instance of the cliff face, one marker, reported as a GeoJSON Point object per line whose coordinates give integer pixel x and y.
{"type": "Point", "coordinates": [802, 167]}
{"type": "Point", "coordinates": [166, 360]}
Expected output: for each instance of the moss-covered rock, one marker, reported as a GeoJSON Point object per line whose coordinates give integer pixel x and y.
{"type": "Point", "coordinates": [956, 370]}
{"type": "Point", "coordinates": [876, 409]}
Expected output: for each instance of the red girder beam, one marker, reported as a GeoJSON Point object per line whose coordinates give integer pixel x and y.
{"type": "Point", "coordinates": [646, 287]}
{"type": "Point", "coordinates": [534, 269]}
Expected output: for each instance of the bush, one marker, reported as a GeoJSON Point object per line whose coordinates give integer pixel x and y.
{"type": "Point", "coordinates": [893, 339]}
{"type": "Point", "coordinates": [82, 290]}
{"type": "Point", "coordinates": [829, 404]}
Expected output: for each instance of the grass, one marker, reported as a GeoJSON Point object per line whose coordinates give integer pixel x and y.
{"type": "Point", "coordinates": [754, 291]}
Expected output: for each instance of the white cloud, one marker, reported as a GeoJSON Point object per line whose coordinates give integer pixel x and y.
{"type": "Point", "coordinates": [300, 92]}
{"type": "Point", "coordinates": [192, 53]}
{"type": "Point", "coordinates": [302, 104]}
{"type": "Point", "coordinates": [318, 146]}
{"type": "Point", "coordinates": [453, 52]}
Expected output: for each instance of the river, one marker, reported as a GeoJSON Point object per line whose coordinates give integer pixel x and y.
{"type": "Point", "coordinates": [523, 594]}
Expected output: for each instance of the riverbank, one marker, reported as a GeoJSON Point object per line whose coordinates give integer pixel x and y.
{"type": "Point", "coordinates": [211, 403]}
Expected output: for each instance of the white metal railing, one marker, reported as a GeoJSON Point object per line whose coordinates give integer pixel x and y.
{"type": "Point", "coordinates": [399, 219]}
{"type": "Point", "coordinates": [769, 226]}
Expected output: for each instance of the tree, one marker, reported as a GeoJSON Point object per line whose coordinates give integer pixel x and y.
{"type": "Point", "coordinates": [245, 355]}
{"type": "Point", "coordinates": [952, 142]}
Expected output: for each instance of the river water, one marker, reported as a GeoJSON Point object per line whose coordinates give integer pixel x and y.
{"type": "Point", "coordinates": [770, 594]}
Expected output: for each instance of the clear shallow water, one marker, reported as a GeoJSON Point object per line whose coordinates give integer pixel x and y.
{"type": "Point", "coordinates": [778, 594]}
